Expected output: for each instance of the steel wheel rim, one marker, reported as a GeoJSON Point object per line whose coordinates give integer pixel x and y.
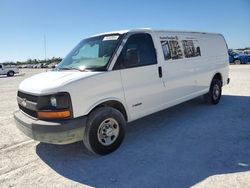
{"type": "Point", "coordinates": [216, 92]}
{"type": "Point", "coordinates": [108, 131]}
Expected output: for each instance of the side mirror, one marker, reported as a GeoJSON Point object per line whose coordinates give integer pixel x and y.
{"type": "Point", "coordinates": [132, 57]}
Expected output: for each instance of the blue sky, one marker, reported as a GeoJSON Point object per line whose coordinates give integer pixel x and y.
{"type": "Point", "coordinates": [23, 23]}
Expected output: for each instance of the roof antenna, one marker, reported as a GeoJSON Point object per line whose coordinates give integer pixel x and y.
{"type": "Point", "coordinates": [45, 52]}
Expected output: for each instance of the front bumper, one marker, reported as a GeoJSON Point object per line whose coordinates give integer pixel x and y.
{"type": "Point", "coordinates": [54, 132]}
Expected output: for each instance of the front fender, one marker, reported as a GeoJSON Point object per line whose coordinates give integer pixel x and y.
{"type": "Point", "coordinates": [107, 100]}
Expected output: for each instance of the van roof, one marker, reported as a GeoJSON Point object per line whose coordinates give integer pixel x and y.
{"type": "Point", "coordinates": [150, 29]}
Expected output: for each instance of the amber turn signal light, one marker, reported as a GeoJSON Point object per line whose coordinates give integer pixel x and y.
{"type": "Point", "coordinates": [53, 114]}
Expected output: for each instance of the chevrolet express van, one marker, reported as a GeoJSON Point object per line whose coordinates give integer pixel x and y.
{"type": "Point", "coordinates": [114, 78]}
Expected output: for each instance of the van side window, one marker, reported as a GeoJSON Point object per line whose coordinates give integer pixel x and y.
{"type": "Point", "coordinates": [138, 51]}
{"type": "Point", "coordinates": [165, 49]}
{"type": "Point", "coordinates": [171, 49]}
{"type": "Point", "coordinates": [175, 49]}
{"type": "Point", "coordinates": [191, 48]}
{"type": "Point", "coordinates": [0, 66]}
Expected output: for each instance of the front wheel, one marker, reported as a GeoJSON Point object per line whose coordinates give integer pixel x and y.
{"type": "Point", "coordinates": [214, 94]}
{"type": "Point", "coordinates": [104, 131]}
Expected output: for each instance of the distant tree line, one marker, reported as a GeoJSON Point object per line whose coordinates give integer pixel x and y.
{"type": "Point", "coordinates": [242, 49]}
{"type": "Point", "coordinates": [35, 61]}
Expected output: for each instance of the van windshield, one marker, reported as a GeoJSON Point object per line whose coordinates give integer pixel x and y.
{"type": "Point", "coordinates": [91, 54]}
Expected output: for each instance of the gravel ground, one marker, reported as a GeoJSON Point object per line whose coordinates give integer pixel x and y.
{"type": "Point", "coordinates": [189, 145]}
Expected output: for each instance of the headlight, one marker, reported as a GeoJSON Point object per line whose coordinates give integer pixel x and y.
{"type": "Point", "coordinates": [53, 101]}
{"type": "Point", "coordinates": [57, 106]}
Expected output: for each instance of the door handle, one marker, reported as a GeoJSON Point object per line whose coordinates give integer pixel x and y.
{"type": "Point", "coordinates": [160, 71]}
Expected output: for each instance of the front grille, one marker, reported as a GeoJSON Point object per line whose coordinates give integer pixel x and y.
{"type": "Point", "coordinates": [27, 97]}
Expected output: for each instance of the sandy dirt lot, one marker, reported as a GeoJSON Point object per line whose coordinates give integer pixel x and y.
{"type": "Point", "coordinates": [192, 144]}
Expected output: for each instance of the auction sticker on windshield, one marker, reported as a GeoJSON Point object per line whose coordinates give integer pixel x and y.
{"type": "Point", "coordinates": [113, 37]}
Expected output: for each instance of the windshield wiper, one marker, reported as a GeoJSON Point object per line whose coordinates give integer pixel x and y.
{"type": "Point", "coordinates": [82, 70]}
{"type": "Point", "coordinates": [70, 68]}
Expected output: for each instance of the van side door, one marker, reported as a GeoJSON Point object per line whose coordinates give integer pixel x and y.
{"type": "Point", "coordinates": [141, 76]}
{"type": "Point", "coordinates": [179, 74]}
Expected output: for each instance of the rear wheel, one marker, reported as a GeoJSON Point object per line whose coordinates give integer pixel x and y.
{"type": "Point", "coordinates": [10, 73]}
{"type": "Point", "coordinates": [104, 131]}
{"type": "Point", "coordinates": [237, 61]}
{"type": "Point", "coordinates": [214, 94]}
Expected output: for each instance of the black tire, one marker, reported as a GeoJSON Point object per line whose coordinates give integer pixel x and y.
{"type": "Point", "coordinates": [214, 94]}
{"type": "Point", "coordinates": [10, 73]}
{"type": "Point", "coordinates": [96, 124]}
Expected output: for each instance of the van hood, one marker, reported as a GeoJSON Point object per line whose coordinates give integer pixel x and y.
{"type": "Point", "coordinates": [52, 81]}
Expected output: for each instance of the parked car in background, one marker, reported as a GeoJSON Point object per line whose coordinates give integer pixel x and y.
{"type": "Point", "coordinates": [238, 57]}
{"type": "Point", "coordinates": [30, 66]}
{"type": "Point", "coordinates": [52, 65]}
{"type": "Point", "coordinates": [247, 52]}
{"type": "Point", "coordinates": [8, 70]}
{"type": "Point", "coordinates": [44, 65]}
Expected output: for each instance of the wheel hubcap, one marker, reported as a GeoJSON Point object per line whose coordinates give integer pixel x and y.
{"type": "Point", "coordinates": [216, 92]}
{"type": "Point", "coordinates": [108, 131]}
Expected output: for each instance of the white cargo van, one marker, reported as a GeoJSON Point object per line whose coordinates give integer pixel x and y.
{"type": "Point", "coordinates": [113, 78]}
